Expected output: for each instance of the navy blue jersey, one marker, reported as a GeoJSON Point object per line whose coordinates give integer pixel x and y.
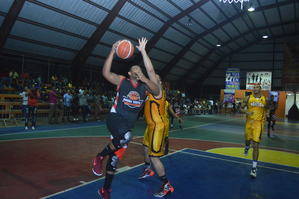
{"type": "Point", "coordinates": [129, 99]}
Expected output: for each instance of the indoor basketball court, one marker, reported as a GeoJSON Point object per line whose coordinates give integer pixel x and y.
{"type": "Point", "coordinates": [73, 71]}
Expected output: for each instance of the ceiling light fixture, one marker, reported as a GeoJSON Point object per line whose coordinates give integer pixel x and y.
{"type": "Point", "coordinates": [189, 23]}
{"type": "Point", "coordinates": [218, 45]}
{"type": "Point", "coordinates": [251, 9]}
{"type": "Point", "coordinates": [265, 36]}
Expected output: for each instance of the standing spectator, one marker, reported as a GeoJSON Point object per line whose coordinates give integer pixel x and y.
{"type": "Point", "coordinates": [53, 105]}
{"type": "Point", "coordinates": [75, 106]}
{"type": "Point", "coordinates": [24, 95]}
{"type": "Point", "coordinates": [83, 104]}
{"type": "Point", "coordinates": [32, 107]}
{"type": "Point", "coordinates": [67, 103]}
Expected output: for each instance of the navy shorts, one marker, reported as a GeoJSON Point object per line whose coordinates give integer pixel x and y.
{"type": "Point", "coordinates": [118, 125]}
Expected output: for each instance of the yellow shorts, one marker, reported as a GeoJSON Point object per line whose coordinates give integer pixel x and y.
{"type": "Point", "coordinates": [254, 130]}
{"type": "Point", "coordinates": [156, 140]}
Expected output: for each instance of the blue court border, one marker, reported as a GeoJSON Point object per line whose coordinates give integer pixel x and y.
{"type": "Point", "coordinates": [199, 174]}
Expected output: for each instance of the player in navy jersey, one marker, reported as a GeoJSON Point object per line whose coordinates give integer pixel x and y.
{"type": "Point", "coordinates": [129, 100]}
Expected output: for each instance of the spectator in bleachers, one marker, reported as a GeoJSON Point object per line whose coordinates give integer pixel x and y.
{"type": "Point", "coordinates": [24, 95]}
{"type": "Point", "coordinates": [83, 104]}
{"type": "Point", "coordinates": [75, 105]}
{"type": "Point", "coordinates": [67, 103]}
{"type": "Point", "coordinates": [53, 106]}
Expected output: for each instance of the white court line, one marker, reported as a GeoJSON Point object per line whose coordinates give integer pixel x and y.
{"type": "Point", "coordinates": [234, 161]}
{"type": "Point", "coordinates": [86, 183]}
{"type": "Point", "coordinates": [62, 129]}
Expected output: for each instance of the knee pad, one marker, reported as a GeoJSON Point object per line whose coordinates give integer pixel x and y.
{"type": "Point", "coordinates": [120, 142]}
{"type": "Point", "coordinates": [112, 163]}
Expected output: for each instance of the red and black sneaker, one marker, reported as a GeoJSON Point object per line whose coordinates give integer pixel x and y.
{"type": "Point", "coordinates": [97, 167]}
{"type": "Point", "coordinates": [146, 173]}
{"type": "Point", "coordinates": [104, 193]}
{"type": "Point", "coordinates": [165, 190]}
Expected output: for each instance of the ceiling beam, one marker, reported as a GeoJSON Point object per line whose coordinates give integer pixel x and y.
{"type": "Point", "coordinates": [172, 62]}
{"type": "Point", "coordinates": [10, 20]}
{"type": "Point", "coordinates": [239, 36]}
{"type": "Point", "coordinates": [87, 49]}
{"type": "Point", "coordinates": [206, 74]}
{"type": "Point", "coordinates": [153, 41]}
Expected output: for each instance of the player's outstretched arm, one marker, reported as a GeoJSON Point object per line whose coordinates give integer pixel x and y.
{"type": "Point", "coordinates": [147, 62]}
{"type": "Point", "coordinates": [106, 71]}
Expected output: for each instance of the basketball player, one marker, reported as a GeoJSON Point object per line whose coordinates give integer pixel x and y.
{"type": "Point", "coordinates": [255, 118]}
{"type": "Point", "coordinates": [271, 119]}
{"type": "Point", "coordinates": [156, 138]}
{"type": "Point", "coordinates": [131, 94]}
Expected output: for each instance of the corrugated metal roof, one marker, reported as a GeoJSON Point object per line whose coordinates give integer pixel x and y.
{"type": "Point", "coordinates": [221, 35]}
{"type": "Point", "coordinates": [168, 46]}
{"type": "Point", "coordinates": [38, 49]}
{"type": "Point", "coordinates": [174, 35]}
{"type": "Point", "coordinates": [287, 12]}
{"type": "Point", "coordinates": [240, 24]}
{"type": "Point", "coordinates": [258, 19]}
{"type": "Point", "coordinates": [177, 71]}
{"type": "Point", "coordinates": [213, 11]}
{"type": "Point", "coordinates": [150, 9]}
{"type": "Point", "coordinates": [5, 5]}
{"type": "Point", "coordinates": [157, 65]}
{"type": "Point", "coordinates": [202, 18]}
{"type": "Point", "coordinates": [95, 61]}
{"type": "Point", "coordinates": [191, 56]}
{"type": "Point", "coordinates": [129, 29]}
{"type": "Point", "coordinates": [166, 7]}
{"type": "Point", "coordinates": [191, 24]}
{"type": "Point", "coordinates": [200, 49]}
{"type": "Point", "coordinates": [79, 8]}
{"type": "Point", "coordinates": [101, 50]}
{"type": "Point", "coordinates": [133, 13]}
{"type": "Point", "coordinates": [185, 64]}
{"type": "Point", "coordinates": [109, 4]}
{"type": "Point", "coordinates": [40, 34]}
{"type": "Point", "coordinates": [183, 4]}
{"type": "Point", "coordinates": [110, 38]}
{"type": "Point", "coordinates": [183, 29]}
{"type": "Point", "coordinates": [160, 55]}
{"type": "Point", "coordinates": [45, 16]}
{"type": "Point", "coordinates": [272, 16]}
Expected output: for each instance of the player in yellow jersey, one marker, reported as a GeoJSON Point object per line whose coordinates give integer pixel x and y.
{"type": "Point", "coordinates": [256, 112]}
{"type": "Point", "coordinates": [156, 138]}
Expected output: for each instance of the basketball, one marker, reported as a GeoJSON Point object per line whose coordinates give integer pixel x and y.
{"type": "Point", "coordinates": [125, 49]}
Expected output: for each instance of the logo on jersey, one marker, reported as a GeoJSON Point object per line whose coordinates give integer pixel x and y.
{"type": "Point", "coordinates": [132, 100]}
{"type": "Point", "coordinates": [257, 104]}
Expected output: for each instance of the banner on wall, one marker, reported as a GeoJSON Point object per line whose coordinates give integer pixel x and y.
{"type": "Point", "coordinates": [229, 96]}
{"type": "Point", "coordinates": [232, 78]}
{"type": "Point", "coordinates": [259, 78]}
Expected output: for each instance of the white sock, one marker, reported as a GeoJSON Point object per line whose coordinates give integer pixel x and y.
{"type": "Point", "coordinates": [254, 164]}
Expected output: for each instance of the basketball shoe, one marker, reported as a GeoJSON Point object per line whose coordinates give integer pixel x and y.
{"type": "Point", "coordinates": [253, 172]}
{"type": "Point", "coordinates": [104, 193]}
{"type": "Point", "coordinates": [165, 190]}
{"type": "Point", "coordinates": [97, 168]}
{"type": "Point", "coordinates": [146, 173]}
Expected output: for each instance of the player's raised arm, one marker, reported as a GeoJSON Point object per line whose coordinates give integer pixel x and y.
{"type": "Point", "coordinates": [106, 71]}
{"type": "Point", "coordinates": [147, 62]}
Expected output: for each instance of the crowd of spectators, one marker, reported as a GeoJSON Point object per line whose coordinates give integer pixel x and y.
{"type": "Point", "coordinates": [88, 101]}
